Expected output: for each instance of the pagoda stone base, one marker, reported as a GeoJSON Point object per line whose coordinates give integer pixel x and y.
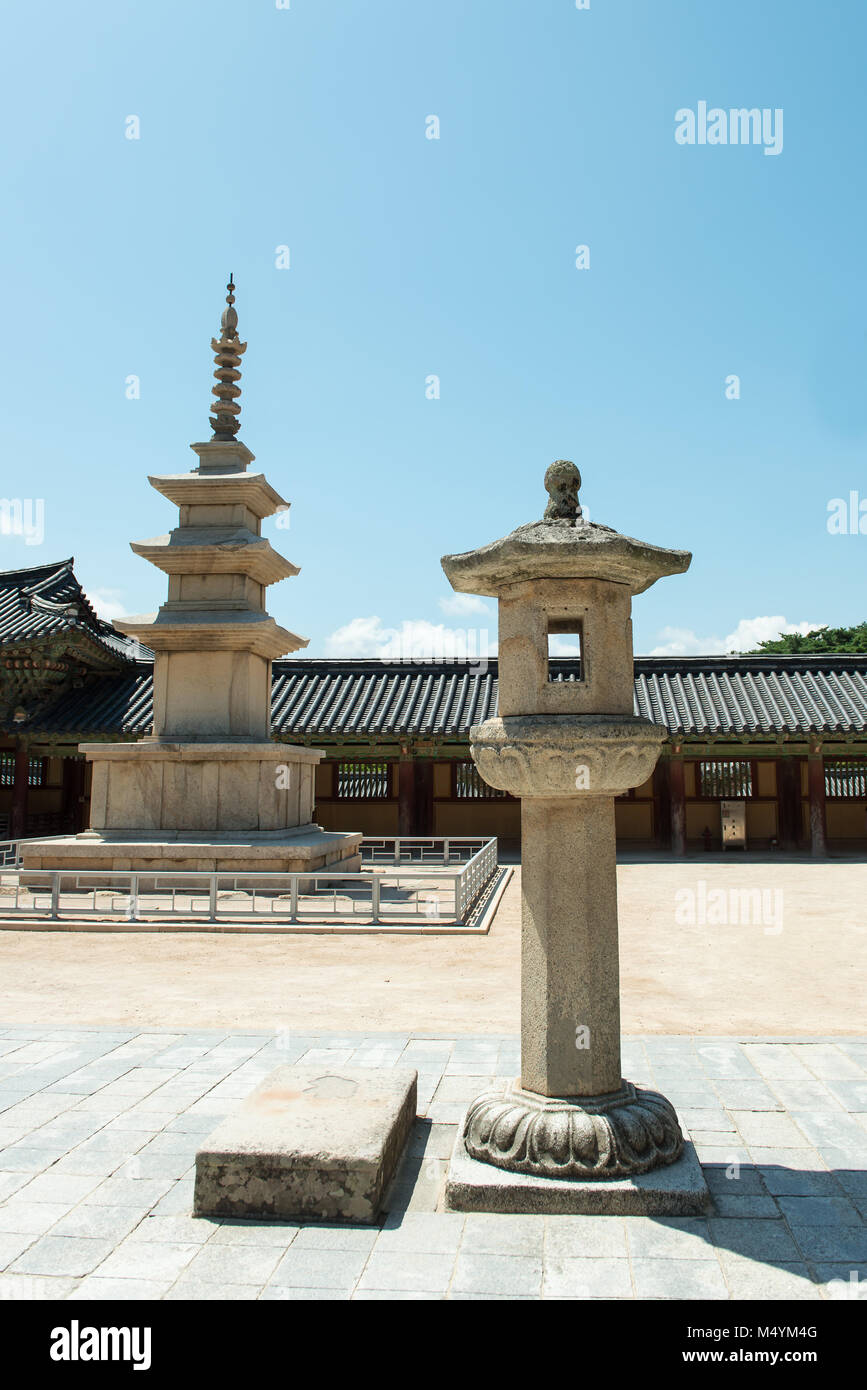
{"type": "Point", "coordinates": [239, 785]}
{"type": "Point", "coordinates": [95, 854]}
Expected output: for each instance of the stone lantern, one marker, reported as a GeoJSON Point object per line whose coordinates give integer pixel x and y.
{"type": "Point", "coordinates": [571, 1134]}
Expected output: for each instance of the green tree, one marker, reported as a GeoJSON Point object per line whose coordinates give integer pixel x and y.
{"type": "Point", "coordinates": [821, 639]}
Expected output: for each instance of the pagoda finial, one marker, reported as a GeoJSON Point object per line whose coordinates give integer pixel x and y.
{"type": "Point", "coordinates": [228, 350]}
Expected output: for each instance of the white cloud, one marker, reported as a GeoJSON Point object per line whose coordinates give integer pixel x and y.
{"type": "Point", "coordinates": [361, 637]}
{"type": "Point", "coordinates": [106, 604]}
{"type": "Point", "coordinates": [458, 605]}
{"type": "Point", "coordinates": [681, 641]}
{"type": "Point", "coordinates": [415, 640]}
{"type": "Point", "coordinates": [561, 646]}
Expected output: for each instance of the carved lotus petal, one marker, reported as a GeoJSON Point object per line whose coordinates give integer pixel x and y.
{"type": "Point", "coordinates": [597, 1137]}
{"type": "Point", "coordinates": [537, 755]}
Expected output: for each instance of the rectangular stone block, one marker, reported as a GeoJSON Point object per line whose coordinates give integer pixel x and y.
{"type": "Point", "coordinates": [309, 1144]}
{"type": "Point", "coordinates": [676, 1190]}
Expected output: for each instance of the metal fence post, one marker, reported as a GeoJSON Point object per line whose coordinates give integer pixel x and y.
{"type": "Point", "coordinates": [374, 898]}
{"type": "Point", "coordinates": [212, 898]}
{"type": "Point", "coordinates": [55, 895]}
{"type": "Point", "coordinates": [293, 898]}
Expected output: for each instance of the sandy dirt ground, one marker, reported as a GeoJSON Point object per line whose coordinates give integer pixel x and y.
{"type": "Point", "coordinates": [797, 966]}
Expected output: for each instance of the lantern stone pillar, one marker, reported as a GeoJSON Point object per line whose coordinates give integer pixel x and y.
{"type": "Point", "coordinates": [569, 1134]}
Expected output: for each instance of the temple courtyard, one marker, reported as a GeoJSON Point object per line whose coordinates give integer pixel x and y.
{"type": "Point", "coordinates": [750, 945]}
{"type": "Point", "coordinates": [121, 1050]}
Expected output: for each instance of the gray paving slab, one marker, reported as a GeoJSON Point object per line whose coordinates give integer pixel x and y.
{"type": "Point", "coordinates": [423, 1273]}
{"type": "Point", "coordinates": [241, 1233]}
{"type": "Point", "coordinates": [12, 1245]}
{"type": "Point", "coordinates": [831, 1243]}
{"type": "Point", "coordinates": [324, 1269]}
{"type": "Point", "coordinates": [35, 1287]}
{"type": "Point", "coordinates": [476, 1272]}
{"type": "Point", "coordinates": [30, 1218]}
{"type": "Point", "coordinates": [846, 1281]}
{"type": "Point", "coordinates": [486, 1233]}
{"type": "Point", "coordinates": [97, 1288]}
{"type": "Point", "coordinates": [585, 1237]}
{"type": "Point", "coordinates": [781, 1125]}
{"type": "Point", "coordinates": [583, 1277]}
{"type": "Point", "coordinates": [137, 1259]}
{"type": "Point", "coordinates": [283, 1294]}
{"type": "Point", "coordinates": [360, 1239]}
{"type": "Point", "coordinates": [759, 1240]}
{"type": "Point", "coordinates": [681, 1279]}
{"type": "Point", "coordinates": [819, 1211]}
{"type": "Point", "coordinates": [418, 1233]}
{"type": "Point", "coordinates": [755, 1279]}
{"type": "Point", "coordinates": [188, 1289]}
{"type": "Point", "coordinates": [669, 1239]}
{"type": "Point", "coordinates": [70, 1255]}
{"type": "Point", "coordinates": [234, 1264]}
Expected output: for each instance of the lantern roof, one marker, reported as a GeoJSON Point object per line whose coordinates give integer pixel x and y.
{"type": "Point", "coordinates": [562, 545]}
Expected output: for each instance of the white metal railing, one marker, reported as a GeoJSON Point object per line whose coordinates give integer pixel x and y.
{"type": "Point", "coordinates": [420, 849]}
{"type": "Point", "coordinates": [376, 896]}
{"type": "Point", "coordinates": [477, 872]}
{"type": "Point", "coordinates": [10, 850]}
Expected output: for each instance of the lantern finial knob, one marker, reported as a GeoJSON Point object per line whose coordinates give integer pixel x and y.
{"type": "Point", "coordinates": [562, 481]}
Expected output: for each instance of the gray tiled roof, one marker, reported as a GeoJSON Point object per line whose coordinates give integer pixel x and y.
{"type": "Point", "coordinates": [699, 697]}
{"type": "Point", "coordinates": [44, 600]}
{"type": "Point", "coordinates": [711, 696]}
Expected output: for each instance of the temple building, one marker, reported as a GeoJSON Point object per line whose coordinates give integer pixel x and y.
{"type": "Point", "coordinates": [784, 738]}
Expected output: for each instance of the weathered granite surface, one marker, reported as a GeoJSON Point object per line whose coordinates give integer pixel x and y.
{"type": "Point", "coordinates": [309, 1144]}
{"type": "Point", "coordinates": [678, 1189]}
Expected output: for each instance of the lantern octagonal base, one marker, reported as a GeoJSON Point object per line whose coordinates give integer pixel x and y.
{"type": "Point", "coordinates": [575, 1156]}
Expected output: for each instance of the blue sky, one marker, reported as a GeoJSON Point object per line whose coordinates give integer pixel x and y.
{"type": "Point", "coordinates": [410, 257]}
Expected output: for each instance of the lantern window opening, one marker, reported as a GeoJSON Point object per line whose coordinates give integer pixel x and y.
{"type": "Point", "coordinates": [565, 640]}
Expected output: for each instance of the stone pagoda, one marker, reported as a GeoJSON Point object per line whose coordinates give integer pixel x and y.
{"type": "Point", "coordinates": [571, 1134]}
{"type": "Point", "coordinates": [208, 790]}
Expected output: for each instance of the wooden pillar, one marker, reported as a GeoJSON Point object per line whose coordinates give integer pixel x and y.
{"type": "Point", "coordinates": [789, 802]}
{"type": "Point", "coordinates": [80, 795]}
{"type": "Point", "coordinates": [67, 804]}
{"type": "Point", "coordinates": [662, 803]}
{"type": "Point", "coordinates": [678, 800]}
{"type": "Point", "coordinates": [818, 823]}
{"type": "Point", "coordinates": [18, 816]}
{"type": "Point", "coordinates": [406, 793]}
{"type": "Point", "coordinates": [73, 794]}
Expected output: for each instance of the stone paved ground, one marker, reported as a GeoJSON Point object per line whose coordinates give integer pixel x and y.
{"type": "Point", "coordinates": [99, 1128]}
